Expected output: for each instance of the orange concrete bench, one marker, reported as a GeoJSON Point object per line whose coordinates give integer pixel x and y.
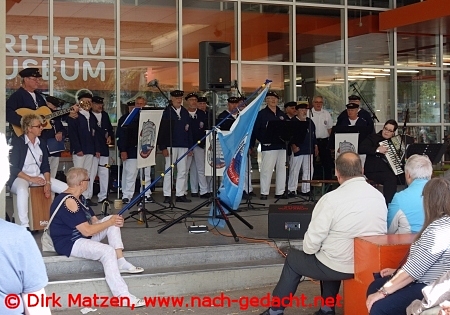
{"type": "Point", "coordinates": [372, 253]}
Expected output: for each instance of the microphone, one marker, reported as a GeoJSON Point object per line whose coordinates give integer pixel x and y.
{"type": "Point", "coordinates": [153, 82]}
{"type": "Point", "coordinates": [235, 84]}
{"type": "Point", "coordinates": [353, 84]}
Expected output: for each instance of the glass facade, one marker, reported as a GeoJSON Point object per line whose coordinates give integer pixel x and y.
{"type": "Point", "coordinates": [329, 47]}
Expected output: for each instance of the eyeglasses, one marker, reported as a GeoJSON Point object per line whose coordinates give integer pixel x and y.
{"type": "Point", "coordinates": [34, 78]}
{"type": "Point", "coordinates": [86, 180]}
{"type": "Point", "coordinates": [318, 102]}
{"type": "Point", "coordinates": [391, 131]}
{"type": "Point", "coordinates": [37, 126]}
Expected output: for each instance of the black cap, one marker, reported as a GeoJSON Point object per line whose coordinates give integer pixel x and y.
{"type": "Point", "coordinates": [233, 99]}
{"type": "Point", "coordinates": [30, 72]}
{"type": "Point", "coordinates": [272, 93]}
{"type": "Point", "coordinates": [352, 106]}
{"type": "Point", "coordinates": [354, 98]}
{"type": "Point", "coordinates": [301, 104]}
{"type": "Point", "coordinates": [97, 99]}
{"type": "Point", "coordinates": [131, 103]}
{"type": "Point", "coordinates": [290, 104]}
{"type": "Point", "coordinates": [177, 93]}
{"type": "Point", "coordinates": [202, 99]}
{"type": "Point", "coordinates": [192, 94]}
{"type": "Point", "coordinates": [85, 95]}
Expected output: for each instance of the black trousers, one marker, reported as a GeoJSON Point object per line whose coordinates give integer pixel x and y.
{"type": "Point", "coordinates": [325, 157]}
{"type": "Point", "coordinates": [389, 182]}
{"type": "Point", "coordinates": [299, 264]}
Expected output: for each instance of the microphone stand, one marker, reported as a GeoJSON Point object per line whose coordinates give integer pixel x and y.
{"type": "Point", "coordinates": [355, 89]}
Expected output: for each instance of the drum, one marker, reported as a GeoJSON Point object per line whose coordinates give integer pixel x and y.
{"type": "Point", "coordinates": [38, 208]}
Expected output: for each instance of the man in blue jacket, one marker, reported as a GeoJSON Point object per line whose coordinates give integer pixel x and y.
{"type": "Point", "coordinates": [83, 142]}
{"type": "Point", "coordinates": [104, 138]}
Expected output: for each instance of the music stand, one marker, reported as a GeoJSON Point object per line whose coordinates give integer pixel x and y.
{"type": "Point", "coordinates": [282, 132]}
{"type": "Point", "coordinates": [434, 151]}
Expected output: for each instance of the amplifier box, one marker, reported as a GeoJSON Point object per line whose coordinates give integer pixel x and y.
{"type": "Point", "coordinates": [289, 221]}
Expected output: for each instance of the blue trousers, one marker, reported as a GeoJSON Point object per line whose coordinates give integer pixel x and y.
{"type": "Point", "coordinates": [396, 303]}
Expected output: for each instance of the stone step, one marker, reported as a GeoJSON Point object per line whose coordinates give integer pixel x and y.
{"type": "Point", "coordinates": [171, 272]}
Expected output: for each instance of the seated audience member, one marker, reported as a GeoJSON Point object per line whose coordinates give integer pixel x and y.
{"type": "Point", "coordinates": [376, 167]}
{"type": "Point", "coordinates": [428, 258]}
{"type": "Point", "coordinates": [76, 232]}
{"type": "Point", "coordinates": [30, 167]}
{"type": "Point", "coordinates": [22, 265]}
{"type": "Point", "coordinates": [338, 217]}
{"type": "Point", "coordinates": [405, 212]}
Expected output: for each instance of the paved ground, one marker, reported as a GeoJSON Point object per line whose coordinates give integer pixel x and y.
{"type": "Point", "coordinates": [308, 288]}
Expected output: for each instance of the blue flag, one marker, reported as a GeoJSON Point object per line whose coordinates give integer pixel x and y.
{"type": "Point", "coordinates": [235, 146]}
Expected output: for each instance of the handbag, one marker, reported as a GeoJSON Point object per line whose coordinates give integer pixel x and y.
{"type": "Point", "coordinates": [46, 240]}
{"type": "Point", "coordinates": [433, 295]}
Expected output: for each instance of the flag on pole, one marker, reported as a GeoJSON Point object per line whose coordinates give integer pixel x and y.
{"type": "Point", "coordinates": [235, 145]}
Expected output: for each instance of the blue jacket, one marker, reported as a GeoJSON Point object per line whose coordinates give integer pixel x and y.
{"type": "Point", "coordinates": [81, 138]}
{"type": "Point", "coordinates": [260, 129]}
{"type": "Point", "coordinates": [228, 120]}
{"type": "Point", "coordinates": [19, 153]}
{"type": "Point", "coordinates": [181, 130]}
{"type": "Point", "coordinates": [127, 136]}
{"type": "Point", "coordinates": [365, 119]}
{"type": "Point", "coordinates": [105, 130]}
{"type": "Point", "coordinates": [307, 145]}
{"type": "Point", "coordinates": [405, 212]}
{"type": "Point", "coordinates": [21, 99]}
{"type": "Point", "coordinates": [57, 126]}
{"type": "Point", "coordinates": [198, 125]}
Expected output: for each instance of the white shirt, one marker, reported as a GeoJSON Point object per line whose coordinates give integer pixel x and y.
{"type": "Point", "coordinates": [32, 167]}
{"type": "Point", "coordinates": [323, 121]}
{"type": "Point", "coordinates": [352, 121]}
{"type": "Point", "coordinates": [354, 209]}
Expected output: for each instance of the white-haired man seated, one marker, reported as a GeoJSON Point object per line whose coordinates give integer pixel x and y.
{"type": "Point", "coordinates": [405, 212]}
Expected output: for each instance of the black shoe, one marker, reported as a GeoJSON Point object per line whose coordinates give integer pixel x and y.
{"type": "Point", "coordinates": [167, 199]}
{"type": "Point", "coordinates": [32, 232]}
{"type": "Point", "coordinates": [292, 194]}
{"type": "Point", "coordinates": [251, 194]}
{"type": "Point", "coordinates": [125, 201]}
{"type": "Point", "coordinates": [182, 199]}
{"type": "Point", "coordinates": [105, 200]}
{"type": "Point", "coordinates": [320, 312]}
{"type": "Point", "coordinates": [263, 197]}
{"type": "Point", "coordinates": [283, 196]}
{"type": "Point", "coordinates": [267, 312]}
{"type": "Point", "coordinates": [149, 199]}
{"type": "Point", "coordinates": [245, 196]}
{"type": "Point", "coordinates": [306, 194]}
{"type": "Point", "coordinates": [90, 203]}
{"type": "Point", "coordinates": [194, 194]}
{"type": "Point", "coordinates": [205, 196]}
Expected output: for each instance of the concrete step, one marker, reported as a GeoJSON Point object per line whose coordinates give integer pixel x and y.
{"type": "Point", "coordinates": [172, 272]}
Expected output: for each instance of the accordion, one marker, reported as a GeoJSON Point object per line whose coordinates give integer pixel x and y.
{"type": "Point", "coordinates": [395, 153]}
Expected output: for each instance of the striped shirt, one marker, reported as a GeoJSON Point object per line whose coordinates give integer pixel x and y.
{"type": "Point", "coordinates": [429, 256]}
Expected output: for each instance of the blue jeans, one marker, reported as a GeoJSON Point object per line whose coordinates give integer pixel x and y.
{"type": "Point", "coordinates": [397, 302]}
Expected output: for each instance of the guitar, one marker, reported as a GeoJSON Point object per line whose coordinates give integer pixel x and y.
{"type": "Point", "coordinates": [44, 112]}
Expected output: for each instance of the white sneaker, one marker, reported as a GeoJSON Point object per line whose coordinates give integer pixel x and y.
{"type": "Point", "coordinates": [139, 303]}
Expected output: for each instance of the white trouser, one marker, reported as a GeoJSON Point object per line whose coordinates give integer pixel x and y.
{"type": "Point", "coordinates": [54, 163]}
{"type": "Point", "coordinates": [305, 163]}
{"type": "Point", "coordinates": [181, 173]}
{"type": "Point", "coordinates": [103, 177]}
{"type": "Point", "coordinates": [20, 188]}
{"type": "Point", "coordinates": [105, 253]}
{"type": "Point", "coordinates": [129, 173]}
{"type": "Point", "coordinates": [196, 166]}
{"type": "Point", "coordinates": [87, 162]}
{"type": "Point", "coordinates": [270, 160]}
{"type": "Point", "coordinates": [148, 180]}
